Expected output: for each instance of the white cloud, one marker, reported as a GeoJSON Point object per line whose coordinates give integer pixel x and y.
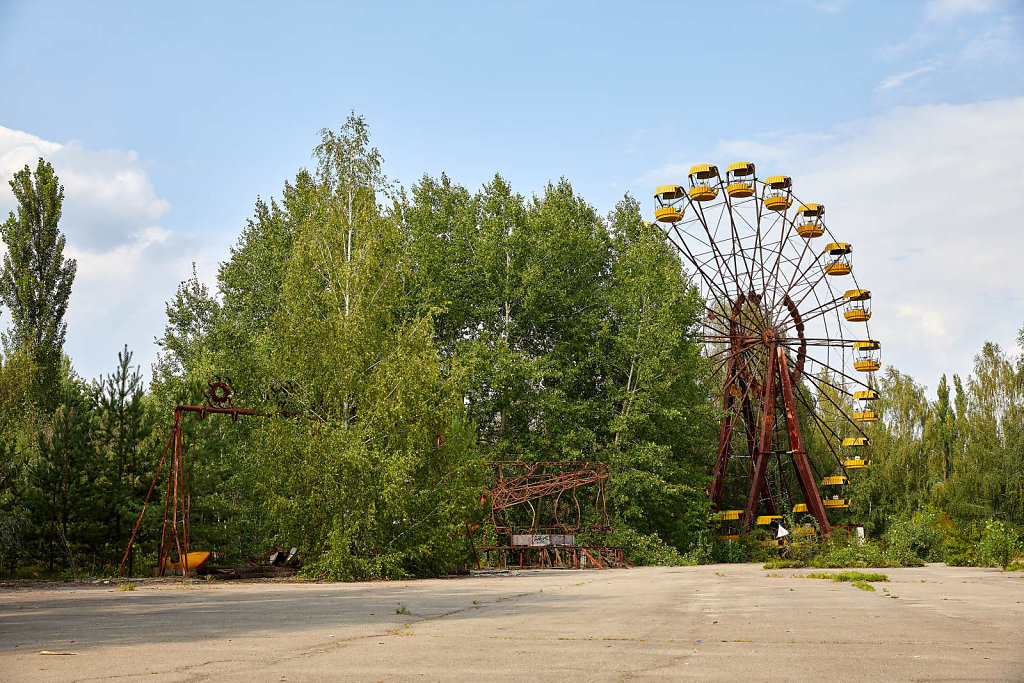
{"type": "Point", "coordinates": [828, 6]}
{"type": "Point", "coordinates": [899, 79]}
{"type": "Point", "coordinates": [967, 37]}
{"type": "Point", "coordinates": [128, 266]}
{"type": "Point", "coordinates": [949, 10]}
{"type": "Point", "coordinates": [1002, 43]}
{"type": "Point", "coordinates": [931, 198]}
{"type": "Point", "coordinates": [106, 193]}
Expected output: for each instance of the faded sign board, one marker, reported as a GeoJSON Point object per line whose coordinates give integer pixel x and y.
{"type": "Point", "coordinates": [542, 540]}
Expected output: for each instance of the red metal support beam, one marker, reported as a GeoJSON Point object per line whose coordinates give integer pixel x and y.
{"type": "Point", "coordinates": [805, 476]}
{"type": "Point", "coordinates": [765, 446]}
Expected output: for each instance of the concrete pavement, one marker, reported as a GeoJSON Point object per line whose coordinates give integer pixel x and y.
{"type": "Point", "coordinates": [715, 622]}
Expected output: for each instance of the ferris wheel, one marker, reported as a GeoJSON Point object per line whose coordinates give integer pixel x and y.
{"type": "Point", "coordinates": [785, 330]}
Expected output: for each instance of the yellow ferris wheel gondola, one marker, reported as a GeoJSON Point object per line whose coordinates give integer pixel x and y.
{"type": "Point", "coordinates": [809, 220]}
{"type": "Point", "coordinates": [867, 355]}
{"type": "Point", "coordinates": [765, 520]}
{"type": "Point", "coordinates": [856, 459]}
{"type": "Point", "coordinates": [730, 532]}
{"type": "Point", "coordinates": [704, 182]}
{"type": "Point", "coordinates": [863, 410]}
{"type": "Point", "coordinates": [840, 259]}
{"type": "Point", "coordinates": [666, 194]}
{"type": "Point", "coordinates": [739, 180]}
{"type": "Point", "coordinates": [834, 497]}
{"type": "Point", "coordinates": [858, 305]}
{"type": "Point", "coordinates": [778, 193]}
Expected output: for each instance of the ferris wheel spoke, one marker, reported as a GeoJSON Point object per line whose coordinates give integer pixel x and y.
{"type": "Point", "coordinates": [737, 247]}
{"type": "Point", "coordinates": [731, 353]}
{"type": "Point", "coordinates": [832, 437]}
{"type": "Point", "coordinates": [817, 312]}
{"type": "Point", "coordinates": [711, 283]}
{"type": "Point", "coordinates": [853, 380]}
{"type": "Point", "coordinates": [839, 409]}
{"type": "Point", "coordinates": [810, 409]}
{"type": "Point", "coordinates": [800, 257]}
{"type": "Point", "coordinates": [720, 259]}
{"type": "Point", "coordinates": [721, 333]}
{"type": "Point", "coordinates": [819, 341]}
{"type": "Point", "coordinates": [790, 289]}
{"type": "Point", "coordinates": [787, 226]}
{"type": "Point", "coordinates": [814, 284]}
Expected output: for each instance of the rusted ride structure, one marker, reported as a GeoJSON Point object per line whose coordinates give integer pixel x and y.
{"type": "Point", "coordinates": [218, 399]}
{"type": "Point", "coordinates": [537, 509]}
{"type": "Point", "coordinates": [787, 339]}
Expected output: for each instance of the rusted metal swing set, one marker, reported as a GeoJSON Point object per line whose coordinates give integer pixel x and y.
{"type": "Point", "coordinates": [174, 532]}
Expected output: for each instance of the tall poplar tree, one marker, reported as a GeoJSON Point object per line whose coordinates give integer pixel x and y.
{"type": "Point", "coordinates": [35, 283]}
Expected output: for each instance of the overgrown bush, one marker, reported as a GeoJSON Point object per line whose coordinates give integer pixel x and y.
{"type": "Point", "coordinates": [642, 549]}
{"type": "Point", "coordinates": [843, 550]}
{"type": "Point", "coordinates": [999, 545]}
{"type": "Point", "coordinates": [731, 552]}
{"type": "Point", "coordinates": [960, 545]}
{"type": "Point", "coordinates": [915, 538]}
{"type": "Point", "coordinates": [702, 551]}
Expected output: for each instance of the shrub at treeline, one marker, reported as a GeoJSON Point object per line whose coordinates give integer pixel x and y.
{"type": "Point", "coordinates": [428, 331]}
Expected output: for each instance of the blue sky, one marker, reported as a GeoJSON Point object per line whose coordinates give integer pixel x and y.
{"type": "Point", "coordinates": [166, 123]}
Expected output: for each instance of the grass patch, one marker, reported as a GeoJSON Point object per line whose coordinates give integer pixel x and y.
{"type": "Point", "coordinates": [126, 586]}
{"type": "Point", "coordinates": [848, 576]}
{"type": "Point", "coordinates": [784, 564]}
{"type": "Point", "coordinates": [864, 585]}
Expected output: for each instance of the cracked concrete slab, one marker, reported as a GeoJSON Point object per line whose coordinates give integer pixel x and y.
{"type": "Point", "coordinates": [715, 622]}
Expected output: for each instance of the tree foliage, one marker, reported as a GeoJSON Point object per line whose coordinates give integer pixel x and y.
{"type": "Point", "coordinates": [36, 280]}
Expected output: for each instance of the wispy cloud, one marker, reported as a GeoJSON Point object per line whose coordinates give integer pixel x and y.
{"type": "Point", "coordinates": [828, 6]}
{"type": "Point", "coordinates": [896, 80]}
{"type": "Point", "coordinates": [948, 10]}
{"type": "Point", "coordinates": [999, 44]}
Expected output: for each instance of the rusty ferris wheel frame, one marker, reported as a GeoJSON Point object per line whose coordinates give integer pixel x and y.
{"type": "Point", "coordinates": [776, 330]}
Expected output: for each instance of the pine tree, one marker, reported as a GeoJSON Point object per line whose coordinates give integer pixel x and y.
{"type": "Point", "coordinates": [124, 429]}
{"type": "Point", "coordinates": [61, 478]}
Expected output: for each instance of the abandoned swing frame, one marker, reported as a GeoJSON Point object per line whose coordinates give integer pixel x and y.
{"type": "Point", "coordinates": [174, 532]}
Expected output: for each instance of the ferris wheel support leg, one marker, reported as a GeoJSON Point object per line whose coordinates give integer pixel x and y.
{"type": "Point", "coordinates": [805, 476]}
{"type": "Point", "coordinates": [724, 439]}
{"type": "Point", "coordinates": [765, 446]}
{"type": "Point", "coordinates": [749, 426]}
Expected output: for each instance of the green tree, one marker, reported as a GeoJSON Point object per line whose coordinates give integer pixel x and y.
{"type": "Point", "coordinates": [123, 429]}
{"type": "Point", "coordinates": [576, 336]}
{"type": "Point", "coordinates": [36, 280]}
{"type": "Point", "coordinates": [60, 479]}
{"type": "Point", "coordinates": [379, 476]}
{"type": "Point", "coordinates": [661, 431]}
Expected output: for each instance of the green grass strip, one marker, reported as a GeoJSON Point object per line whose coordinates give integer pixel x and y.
{"type": "Point", "coordinates": [784, 564]}
{"type": "Point", "coordinates": [848, 576]}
